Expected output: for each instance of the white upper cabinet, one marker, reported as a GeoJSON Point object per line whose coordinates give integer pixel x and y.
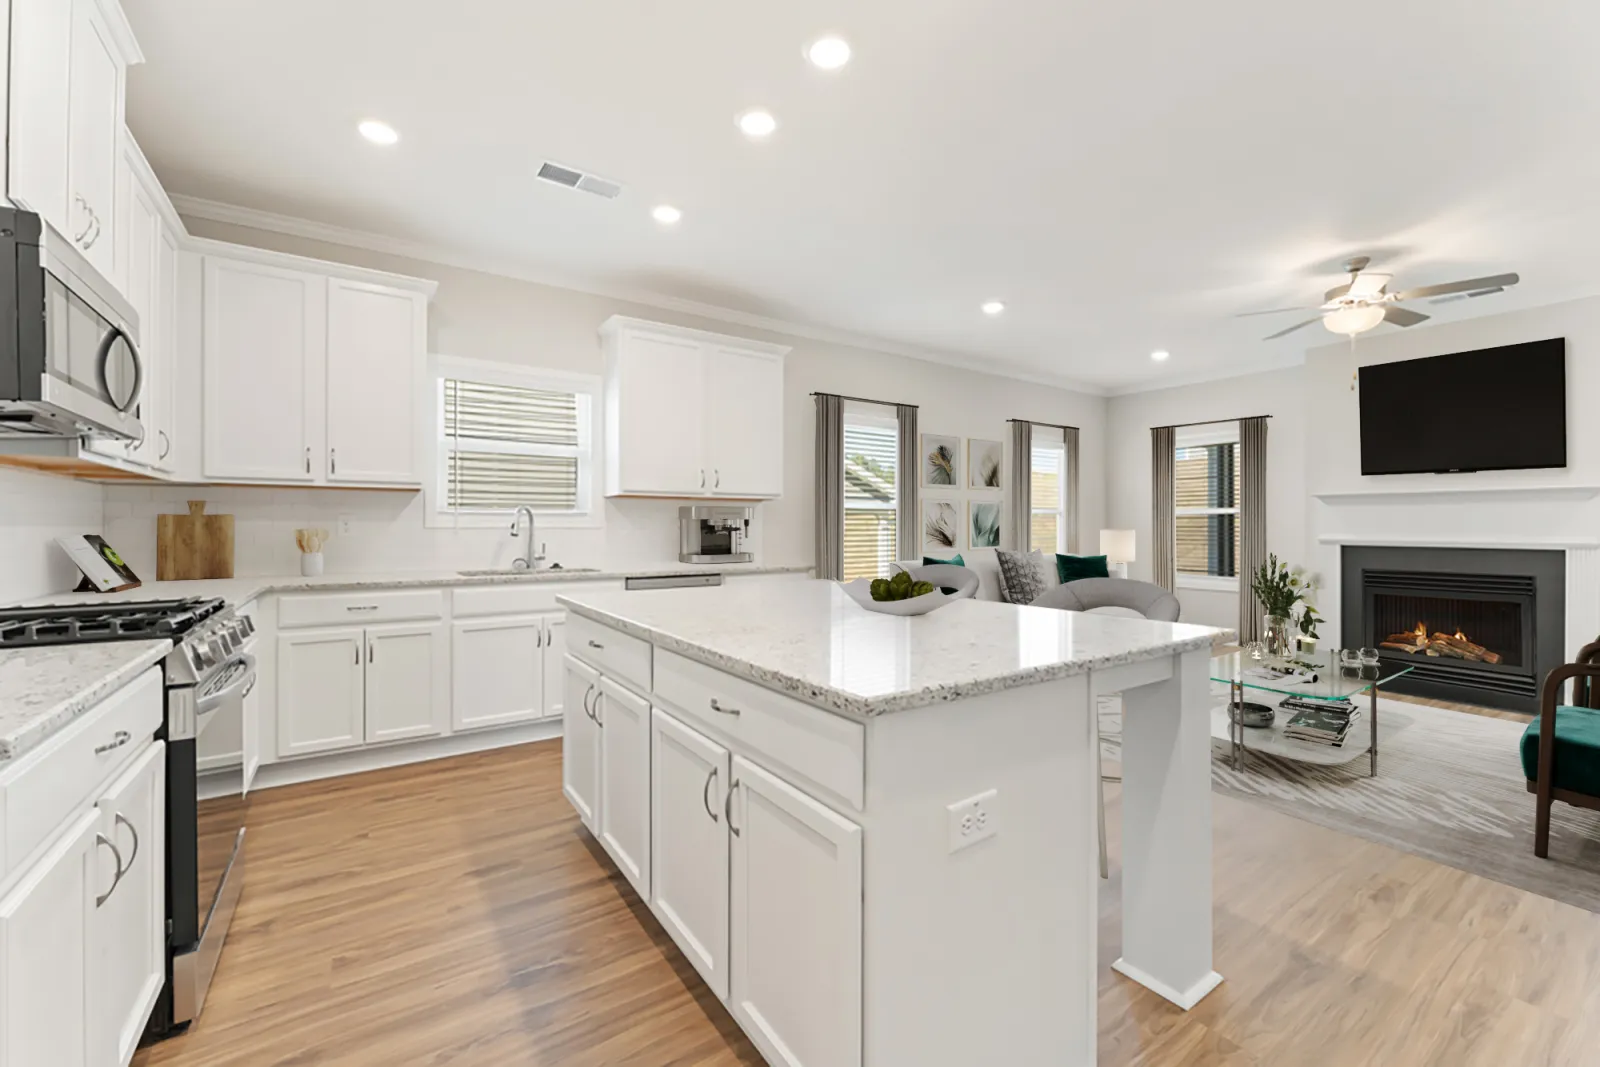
{"type": "Point", "coordinates": [94, 123]}
{"type": "Point", "coordinates": [690, 413]}
{"type": "Point", "coordinates": [377, 340]}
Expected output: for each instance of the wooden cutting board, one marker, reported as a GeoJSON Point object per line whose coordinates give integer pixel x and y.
{"type": "Point", "coordinates": [195, 545]}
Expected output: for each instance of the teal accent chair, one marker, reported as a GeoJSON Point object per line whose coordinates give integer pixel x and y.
{"type": "Point", "coordinates": [1569, 769]}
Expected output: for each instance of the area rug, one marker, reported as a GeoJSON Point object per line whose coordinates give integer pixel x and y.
{"type": "Point", "coordinates": [1449, 788]}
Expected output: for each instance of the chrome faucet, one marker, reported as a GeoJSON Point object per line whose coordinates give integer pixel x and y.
{"type": "Point", "coordinates": [528, 561]}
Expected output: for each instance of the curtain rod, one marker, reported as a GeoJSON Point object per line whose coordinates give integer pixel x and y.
{"type": "Point", "coordinates": [868, 400]}
{"type": "Point", "coordinates": [1053, 425]}
{"type": "Point", "coordinates": [1209, 422]}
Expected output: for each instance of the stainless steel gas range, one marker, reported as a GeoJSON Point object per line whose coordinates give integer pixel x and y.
{"type": "Point", "coordinates": [208, 674]}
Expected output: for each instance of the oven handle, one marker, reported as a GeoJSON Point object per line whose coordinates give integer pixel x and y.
{"type": "Point", "coordinates": [211, 702]}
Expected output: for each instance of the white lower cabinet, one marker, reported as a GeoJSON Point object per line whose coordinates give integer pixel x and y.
{"type": "Point", "coordinates": [689, 778]}
{"type": "Point", "coordinates": [408, 681]}
{"type": "Point", "coordinates": [44, 952]}
{"type": "Point", "coordinates": [321, 690]}
{"type": "Point", "coordinates": [507, 670]}
{"type": "Point", "coordinates": [128, 959]}
{"type": "Point", "coordinates": [580, 742]}
{"type": "Point", "coordinates": [624, 720]}
{"type": "Point", "coordinates": [795, 985]}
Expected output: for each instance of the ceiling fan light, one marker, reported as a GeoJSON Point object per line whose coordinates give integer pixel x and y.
{"type": "Point", "coordinates": [1353, 318]}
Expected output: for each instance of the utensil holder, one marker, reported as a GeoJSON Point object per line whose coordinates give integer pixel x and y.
{"type": "Point", "coordinates": [311, 564]}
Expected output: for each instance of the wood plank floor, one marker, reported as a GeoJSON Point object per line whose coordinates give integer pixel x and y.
{"type": "Point", "coordinates": [454, 913]}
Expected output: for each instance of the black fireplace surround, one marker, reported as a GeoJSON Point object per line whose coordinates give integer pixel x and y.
{"type": "Point", "coordinates": [1511, 602]}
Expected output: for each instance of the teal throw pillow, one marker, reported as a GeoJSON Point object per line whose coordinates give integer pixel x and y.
{"type": "Point", "coordinates": [1071, 568]}
{"type": "Point", "coordinates": [957, 561]}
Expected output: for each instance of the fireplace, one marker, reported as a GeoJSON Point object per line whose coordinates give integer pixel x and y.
{"type": "Point", "coordinates": [1481, 626]}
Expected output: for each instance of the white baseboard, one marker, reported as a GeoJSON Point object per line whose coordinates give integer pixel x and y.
{"type": "Point", "coordinates": [358, 761]}
{"type": "Point", "coordinates": [1184, 999]}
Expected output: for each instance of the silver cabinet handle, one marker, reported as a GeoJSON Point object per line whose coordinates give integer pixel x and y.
{"type": "Point", "coordinates": [356, 648]}
{"type": "Point", "coordinates": [720, 710]}
{"type": "Point", "coordinates": [702, 479]}
{"type": "Point", "coordinates": [705, 794]}
{"type": "Point", "coordinates": [308, 459]}
{"type": "Point", "coordinates": [595, 644]}
{"type": "Point", "coordinates": [333, 461]}
{"type": "Point", "coordinates": [133, 856]}
{"type": "Point", "coordinates": [727, 807]}
{"type": "Point", "coordinates": [587, 710]}
{"type": "Point", "coordinates": [718, 476]}
{"type": "Point", "coordinates": [102, 839]}
{"type": "Point", "coordinates": [372, 651]}
{"type": "Point", "coordinates": [94, 222]}
{"type": "Point", "coordinates": [88, 222]}
{"type": "Point", "coordinates": [538, 638]}
{"type": "Point", "coordinates": [166, 444]}
{"type": "Point", "coordinates": [118, 739]}
{"type": "Point", "coordinates": [361, 607]}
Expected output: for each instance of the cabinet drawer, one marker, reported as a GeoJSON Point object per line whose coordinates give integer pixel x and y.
{"type": "Point", "coordinates": [44, 786]}
{"type": "Point", "coordinates": [625, 658]}
{"type": "Point", "coordinates": [341, 609]}
{"type": "Point", "coordinates": [783, 732]}
{"type": "Point", "coordinates": [515, 598]}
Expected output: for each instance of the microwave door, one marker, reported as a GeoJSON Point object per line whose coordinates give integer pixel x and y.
{"type": "Point", "coordinates": [92, 369]}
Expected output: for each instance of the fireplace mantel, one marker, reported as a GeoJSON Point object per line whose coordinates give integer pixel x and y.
{"type": "Point", "coordinates": [1488, 494]}
{"type": "Point", "coordinates": [1435, 541]}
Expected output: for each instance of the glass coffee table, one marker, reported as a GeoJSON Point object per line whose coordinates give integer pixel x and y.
{"type": "Point", "coordinates": [1335, 682]}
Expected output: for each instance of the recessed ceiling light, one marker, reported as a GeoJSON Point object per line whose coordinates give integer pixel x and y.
{"type": "Point", "coordinates": [666, 214]}
{"type": "Point", "coordinates": [829, 53]}
{"type": "Point", "coordinates": [757, 123]}
{"type": "Point", "coordinates": [1160, 355]}
{"type": "Point", "coordinates": [993, 307]}
{"type": "Point", "coordinates": [378, 132]}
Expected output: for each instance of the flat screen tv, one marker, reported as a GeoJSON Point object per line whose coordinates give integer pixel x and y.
{"type": "Point", "coordinates": [1489, 410]}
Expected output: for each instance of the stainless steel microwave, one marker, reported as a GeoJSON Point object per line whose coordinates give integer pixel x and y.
{"type": "Point", "coordinates": [69, 351]}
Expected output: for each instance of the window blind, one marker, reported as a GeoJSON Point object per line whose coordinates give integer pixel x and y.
{"type": "Point", "coordinates": [871, 462]}
{"type": "Point", "coordinates": [507, 446]}
{"type": "Point", "coordinates": [1044, 533]}
{"type": "Point", "coordinates": [1207, 486]}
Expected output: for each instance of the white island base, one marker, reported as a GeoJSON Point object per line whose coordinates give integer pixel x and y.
{"type": "Point", "coordinates": [876, 838]}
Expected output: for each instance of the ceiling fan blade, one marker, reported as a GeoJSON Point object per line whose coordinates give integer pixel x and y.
{"type": "Point", "coordinates": [1337, 291]}
{"type": "Point", "coordinates": [1403, 316]}
{"type": "Point", "coordinates": [1368, 285]}
{"type": "Point", "coordinates": [1292, 329]}
{"type": "Point", "coordinates": [1270, 311]}
{"type": "Point", "coordinates": [1468, 296]}
{"type": "Point", "coordinates": [1494, 281]}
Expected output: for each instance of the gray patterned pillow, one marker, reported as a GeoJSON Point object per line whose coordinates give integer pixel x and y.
{"type": "Point", "coordinates": [1021, 576]}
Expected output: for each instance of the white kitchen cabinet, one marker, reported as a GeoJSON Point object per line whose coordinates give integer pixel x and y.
{"type": "Point", "coordinates": [265, 345]}
{"type": "Point", "coordinates": [507, 670]}
{"type": "Point", "coordinates": [689, 853]}
{"type": "Point", "coordinates": [580, 742]}
{"type": "Point", "coordinates": [127, 942]}
{"type": "Point", "coordinates": [690, 413]}
{"type": "Point", "coordinates": [624, 719]}
{"type": "Point", "coordinates": [377, 337]}
{"type": "Point", "coordinates": [321, 687]}
{"type": "Point", "coordinates": [407, 683]}
{"type": "Point", "coordinates": [795, 986]}
{"type": "Point", "coordinates": [94, 121]}
{"type": "Point", "coordinates": [44, 951]}
{"type": "Point", "coordinates": [555, 652]}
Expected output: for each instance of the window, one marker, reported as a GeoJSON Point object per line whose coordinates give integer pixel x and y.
{"type": "Point", "coordinates": [1206, 471]}
{"type": "Point", "coordinates": [871, 477]}
{"type": "Point", "coordinates": [1048, 524]}
{"type": "Point", "coordinates": [509, 437]}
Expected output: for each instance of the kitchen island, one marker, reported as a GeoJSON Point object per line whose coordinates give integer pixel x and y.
{"type": "Point", "coordinates": [876, 837]}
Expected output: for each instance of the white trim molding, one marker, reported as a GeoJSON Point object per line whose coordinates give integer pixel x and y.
{"type": "Point", "coordinates": [1461, 541]}
{"type": "Point", "coordinates": [1461, 494]}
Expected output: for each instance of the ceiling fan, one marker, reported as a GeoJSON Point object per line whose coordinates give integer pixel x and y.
{"type": "Point", "coordinates": [1364, 301]}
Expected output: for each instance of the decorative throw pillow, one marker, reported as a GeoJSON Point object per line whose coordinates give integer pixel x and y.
{"type": "Point", "coordinates": [1071, 568]}
{"type": "Point", "coordinates": [1021, 576]}
{"type": "Point", "coordinates": [955, 561]}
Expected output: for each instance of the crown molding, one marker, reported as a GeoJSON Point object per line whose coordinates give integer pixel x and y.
{"type": "Point", "coordinates": [1221, 374]}
{"type": "Point", "coordinates": [272, 222]}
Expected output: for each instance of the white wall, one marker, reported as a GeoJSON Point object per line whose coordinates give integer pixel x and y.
{"type": "Point", "coordinates": [35, 509]}
{"type": "Point", "coordinates": [484, 316]}
{"type": "Point", "coordinates": [1130, 418]}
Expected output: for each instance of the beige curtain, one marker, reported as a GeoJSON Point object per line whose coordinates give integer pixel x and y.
{"type": "Point", "coordinates": [1163, 519]}
{"type": "Point", "coordinates": [830, 486]}
{"type": "Point", "coordinates": [908, 523]}
{"type": "Point", "coordinates": [1020, 484]}
{"type": "Point", "coordinates": [1069, 435]}
{"type": "Point", "coordinates": [1252, 521]}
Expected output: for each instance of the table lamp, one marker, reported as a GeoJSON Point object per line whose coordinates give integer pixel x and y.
{"type": "Point", "coordinates": [1117, 547]}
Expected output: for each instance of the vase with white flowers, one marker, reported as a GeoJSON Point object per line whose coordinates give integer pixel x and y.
{"type": "Point", "coordinates": [1282, 589]}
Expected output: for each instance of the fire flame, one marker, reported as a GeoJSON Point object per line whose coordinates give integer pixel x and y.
{"type": "Point", "coordinates": [1422, 633]}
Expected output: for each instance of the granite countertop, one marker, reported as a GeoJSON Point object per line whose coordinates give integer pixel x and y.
{"type": "Point", "coordinates": [811, 641]}
{"type": "Point", "coordinates": [43, 689]}
{"type": "Point", "coordinates": [239, 591]}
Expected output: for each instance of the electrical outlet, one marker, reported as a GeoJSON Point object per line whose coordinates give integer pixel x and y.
{"type": "Point", "coordinates": [343, 525]}
{"type": "Point", "coordinates": [972, 820]}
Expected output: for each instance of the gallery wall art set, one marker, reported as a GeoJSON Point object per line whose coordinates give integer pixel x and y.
{"type": "Point", "coordinates": [971, 516]}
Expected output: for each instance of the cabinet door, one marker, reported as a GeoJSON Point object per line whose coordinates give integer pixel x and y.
{"type": "Point", "coordinates": [580, 742]}
{"type": "Point", "coordinates": [555, 650]}
{"type": "Point", "coordinates": [139, 234]}
{"type": "Point", "coordinates": [796, 987]}
{"type": "Point", "coordinates": [44, 945]}
{"type": "Point", "coordinates": [657, 418]}
{"type": "Point", "coordinates": [498, 671]}
{"type": "Point", "coordinates": [127, 932]}
{"type": "Point", "coordinates": [163, 387]}
{"type": "Point", "coordinates": [94, 121]}
{"type": "Point", "coordinates": [408, 681]}
{"type": "Point", "coordinates": [744, 422]}
{"type": "Point", "coordinates": [41, 51]}
{"type": "Point", "coordinates": [321, 691]}
{"type": "Point", "coordinates": [264, 344]}
{"type": "Point", "coordinates": [689, 844]}
{"type": "Point", "coordinates": [377, 338]}
{"type": "Point", "coordinates": [625, 782]}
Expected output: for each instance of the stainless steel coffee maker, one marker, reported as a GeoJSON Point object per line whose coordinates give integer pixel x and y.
{"type": "Point", "coordinates": [714, 534]}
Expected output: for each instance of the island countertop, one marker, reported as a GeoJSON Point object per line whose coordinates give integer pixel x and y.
{"type": "Point", "coordinates": [808, 639]}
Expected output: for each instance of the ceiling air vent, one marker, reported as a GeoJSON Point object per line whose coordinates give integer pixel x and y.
{"type": "Point", "coordinates": [576, 179]}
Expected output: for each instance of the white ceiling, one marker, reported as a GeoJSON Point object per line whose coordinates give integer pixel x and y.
{"type": "Point", "coordinates": [1125, 175]}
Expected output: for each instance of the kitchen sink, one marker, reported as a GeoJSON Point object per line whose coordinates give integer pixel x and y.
{"type": "Point", "coordinates": [511, 572]}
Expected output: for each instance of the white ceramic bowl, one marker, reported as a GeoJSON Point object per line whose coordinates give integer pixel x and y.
{"type": "Point", "coordinates": [860, 591]}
